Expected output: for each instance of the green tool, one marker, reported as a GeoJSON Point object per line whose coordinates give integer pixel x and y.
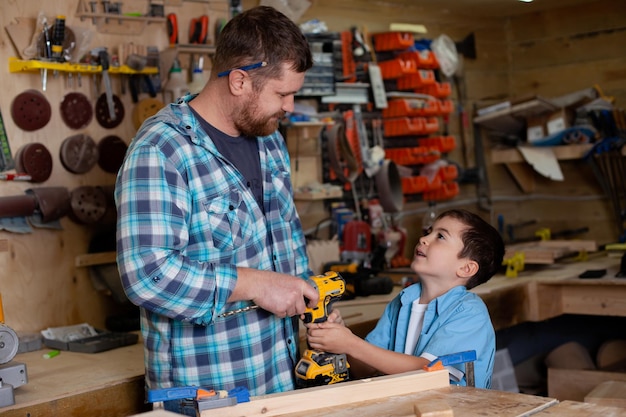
{"type": "Point", "coordinates": [6, 160]}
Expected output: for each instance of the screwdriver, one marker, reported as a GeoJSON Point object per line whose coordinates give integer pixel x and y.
{"type": "Point", "coordinates": [58, 35]}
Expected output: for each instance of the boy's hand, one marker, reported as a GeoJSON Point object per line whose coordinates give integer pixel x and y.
{"type": "Point", "coordinates": [329, 337]}
{"type": "Point", "coordinates": [335, 317]}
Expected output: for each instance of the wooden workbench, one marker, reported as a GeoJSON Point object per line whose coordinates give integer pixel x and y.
{"type": "Point", "coordinates": [106, 384]}
{"type": "Point", "coordinates": [112, 384]}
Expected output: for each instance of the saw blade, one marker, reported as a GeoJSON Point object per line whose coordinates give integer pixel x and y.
{"type": "Point", "coordinates": [8, 344]}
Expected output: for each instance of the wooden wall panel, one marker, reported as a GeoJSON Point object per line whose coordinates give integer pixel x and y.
{"type": "Point", "coordinates": [585, 19]}
{"type": "Point", "coordinates": [39, 283]}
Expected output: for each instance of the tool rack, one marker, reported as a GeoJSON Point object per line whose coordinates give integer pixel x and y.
{"type": "Point", "coordinates": [18, 65]}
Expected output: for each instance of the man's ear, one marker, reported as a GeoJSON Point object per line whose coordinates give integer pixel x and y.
{"type": "Point", "coordinates": [237, 82]}
{"type": "Point", "coordinates": [468, 269]}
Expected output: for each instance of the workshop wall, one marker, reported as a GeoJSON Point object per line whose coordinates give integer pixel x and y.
{"type": "Point", "coordinates": [554, 53]}
{"type": "Point", "coordinates": [42, 287]}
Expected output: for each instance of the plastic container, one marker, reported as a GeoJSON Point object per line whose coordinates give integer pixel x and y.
{"type": "Point", "coordinates": [176, 85]}
{"type": "Point", "coordinates": [198, 80]}
{"type": "Point", "coordinates": [429, 217]}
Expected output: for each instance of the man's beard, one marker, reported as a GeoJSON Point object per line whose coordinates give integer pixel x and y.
{"type": "Point", "coordinates": [249, 125]}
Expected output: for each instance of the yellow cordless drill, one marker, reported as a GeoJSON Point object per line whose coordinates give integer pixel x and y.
{"type": "Point", "coordinates": [316, 367]}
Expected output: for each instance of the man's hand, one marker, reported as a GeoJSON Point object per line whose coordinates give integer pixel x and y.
{"type": "Point", "coordinates": [281, 294]}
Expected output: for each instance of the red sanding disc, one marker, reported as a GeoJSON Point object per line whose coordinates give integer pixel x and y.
{"type": "Point", "coordinates": [35, 160]}
{"type": "Point", "coordinates": [76, 110]}
{"type": "Point", "coordinates": [102, 112]}
{"type": "Point", "coordinates": [79, 153]}
{"type": "Point", "coordinates": [30, 110]}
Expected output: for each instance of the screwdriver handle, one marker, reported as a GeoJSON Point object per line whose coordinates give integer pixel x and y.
{"type": "Point", "coordinates": [58, 36]}
{"type": "Point", "coordinates": [104, 59]}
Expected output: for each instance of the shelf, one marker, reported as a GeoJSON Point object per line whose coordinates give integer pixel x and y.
{"type": "Point", "coordinates": [124, 24]}
{"type": "Point", "coordinates": [522, 172]}
{"type": "Point", "coordinates": [318, 194]}
{"type": "Point", "coordinates": [509, 117]}
{"type": "Point", "coordinates": [191, 48]}
{"type": "Point", "coordinates": [564, 152]}
{"type": "Point", "coordinates": [18, 65]}
{"type": "Point", "coordinates": [91, 259]}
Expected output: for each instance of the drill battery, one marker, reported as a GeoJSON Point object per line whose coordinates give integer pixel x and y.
{"type": "Point", "coordinates": [321, 368]}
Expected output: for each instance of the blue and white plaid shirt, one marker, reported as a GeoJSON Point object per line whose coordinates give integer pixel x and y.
{"type": "Point", "coordinates": [186, 220]}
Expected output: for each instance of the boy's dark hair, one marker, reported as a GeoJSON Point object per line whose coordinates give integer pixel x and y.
{"type": "Point", "coordinates": [262, 34]}
{"type": "Point", "coordinates": [481, 243]}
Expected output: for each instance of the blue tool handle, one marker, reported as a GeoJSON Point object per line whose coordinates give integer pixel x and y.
{"type": "Point", "coordinates": [167, 394]}
{"type": "Point", "coordinates": [454, 358]}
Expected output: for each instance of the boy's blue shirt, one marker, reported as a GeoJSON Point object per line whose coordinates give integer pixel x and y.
{"type": "Point", "coordinates": [454, 322]}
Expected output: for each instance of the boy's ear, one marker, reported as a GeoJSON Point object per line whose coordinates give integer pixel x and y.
{"type": "Point", "coordinates": [468, 269]}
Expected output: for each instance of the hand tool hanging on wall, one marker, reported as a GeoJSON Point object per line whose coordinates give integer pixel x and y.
{"type": "Point", "coordinates": [58, 36]}
{"type": "Point", "coordinates": [6, 158]}
{"type": "Point", "coordinates": [104, 63]}
{"type": "Point", "coordinates": [172, 28]}
{"type": "Point", "coordinates": [198, 29]}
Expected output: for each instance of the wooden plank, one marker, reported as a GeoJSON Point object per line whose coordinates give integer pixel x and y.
{"type": "Point", "coordinates": [523, 175]}
{"type": "Point", "coordinates": [588, 18]}
{"type": "Point", "coordinates": [578, 409]}
{"type": "Point", "coordinates": [568, 77]}
{"type": "Point", "coordinates": [90, 259]}
{"type": "Point", "coordinates": [547, 252]}
{"type": "Point", "coordinates": [600, 300]}
{"type": "Point", "coordinates": [564, 152]}
{"type": "Point", "coordinates": [464, 401]}
{"type": "Point", "coordinates": [574, 384]}
{"type": "Point", "coordinates": [554, 52]}
{"type": "Point", "coordinates": [306, 400]}
{"type": "Point", "coordinates": [611, 393]}
{"type": "Point", "coordinates": [543, 302]}
{"type": "Point", "coordinates": [75, 381]}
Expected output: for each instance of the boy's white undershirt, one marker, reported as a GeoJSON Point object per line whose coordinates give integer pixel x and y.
{"type": "Point", "coordinates": [413, 333]}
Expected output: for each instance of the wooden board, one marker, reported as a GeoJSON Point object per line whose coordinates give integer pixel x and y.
{"type": "Point", "coordinates": [575, 384]}
{"type": "Point", "coordinates": [106, 384]}
{"type": "Point", "coordinates": [611, 393]}
{"type": "Point", "coordinates": [464, 401]}
{"type": "Point", "coordinates": [548, 251]}
{"type": "Point", "coordinates": [578, 409]}
{"type": "Point", "coordinates": [309, 399]}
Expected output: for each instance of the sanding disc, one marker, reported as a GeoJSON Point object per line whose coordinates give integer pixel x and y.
{"type": "Point", "coordinates": [89, 204]}
{"type": "Point", "coordinates": [35, 160]}
{"type": "Point", "coordinates": [112, 150]}
{"type": "Point", "coordinates": [146, 108]}
{"type": "Point", "coordinates": [76, 110]}
{"type": "Point", "coordinates": [79, 153]}
{"type": "Point", "coordinates": [30, 110]}
{"type": "Point", "coordinates": [102, 112]}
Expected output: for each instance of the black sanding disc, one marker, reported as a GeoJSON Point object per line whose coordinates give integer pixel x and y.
{"type": "Point", "coordinates": [79, 153]}
{"type": "Point", "coordinates": [102, 112]}
{"type": "Point", "coordinates": [76, 111]}
{"type": "Point", "coordinates": [112, 150]}
{"type": "Point", "coordinates": [30, 110]}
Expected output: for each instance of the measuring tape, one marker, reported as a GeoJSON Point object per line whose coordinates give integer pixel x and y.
{"type": "Point", "coordinates": [6, 159]}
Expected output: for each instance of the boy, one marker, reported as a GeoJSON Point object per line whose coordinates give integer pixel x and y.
{"type": "Point", "coordinates": [434, 317]}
